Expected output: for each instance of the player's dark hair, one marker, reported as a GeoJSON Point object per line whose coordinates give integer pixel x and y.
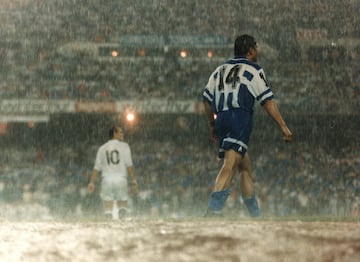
{"type": "Point", "coordinates": [242, 44]}
{"type": "Point", "coordinates": [112, 132]}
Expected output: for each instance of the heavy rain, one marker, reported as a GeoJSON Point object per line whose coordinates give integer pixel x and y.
{"type": "Point", "coordinates": [72, 69]}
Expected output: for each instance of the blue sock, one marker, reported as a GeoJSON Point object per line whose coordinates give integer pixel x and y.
{"type": "Point", "coordinates": [252, 206]}
{"type": "Point", "coordinates": [218, 199]}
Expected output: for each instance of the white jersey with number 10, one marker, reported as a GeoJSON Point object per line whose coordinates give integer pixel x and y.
{"type": "Point", "coordinates": [113, 158]}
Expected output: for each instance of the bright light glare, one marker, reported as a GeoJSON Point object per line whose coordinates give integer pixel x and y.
{"type": "Point", "coordinates": [130, 117]}
{"type": "Point", "coordinates": [183, 53]}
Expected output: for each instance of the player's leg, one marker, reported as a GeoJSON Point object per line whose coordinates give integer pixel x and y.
{"type": "Point", "coordinates": [123, 210]}
{"type": "Point", "coordinates": [247, 186]}
{"type": "Point", "coordinates": [246, 183]}
{"type": "Point", "coordinates": [121, 195]}
{"type": "Point", "coordinates": [107, 197]}
{"type": "Point", "coordinates": [226, 173]}
{"type": "Point", "coordinates": [108, 206]}
{"type": "Point", "coordinates": [223, 181]}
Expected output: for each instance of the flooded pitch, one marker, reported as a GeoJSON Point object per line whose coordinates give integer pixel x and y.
{"type": "Point", "coordinates": [180, 240]}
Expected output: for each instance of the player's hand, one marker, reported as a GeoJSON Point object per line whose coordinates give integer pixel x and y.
{"type": "Point", "coordinates": [213, 135]}
{"type": "Point", "coordinates": [135, 187]}
{"type": "Point", "coordinates": [91, 187]}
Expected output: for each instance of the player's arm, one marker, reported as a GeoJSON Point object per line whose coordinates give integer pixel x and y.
{"type": "Point", "coordinates": [132, 177]}
{"type": "Point", "coordinates": [210, 117]}
{"type": "Point", "coordinates": [209, 113]}
{"type": "Point", "coordinates": [271, 108]}
{"type": "Point", "coordinates": [91, 185]}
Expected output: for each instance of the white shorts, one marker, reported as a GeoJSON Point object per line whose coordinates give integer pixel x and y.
{"type": "Point", "coordinates": [114, 189]}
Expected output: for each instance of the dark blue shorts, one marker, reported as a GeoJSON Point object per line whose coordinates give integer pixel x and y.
{"type": "Point", "coordinates": [233, 129]}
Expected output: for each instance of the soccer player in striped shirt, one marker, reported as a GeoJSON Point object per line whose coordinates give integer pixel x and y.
{"type": "Point", "coordinates": [229, 98]}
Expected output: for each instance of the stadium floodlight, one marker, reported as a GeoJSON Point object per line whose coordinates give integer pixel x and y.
{"type": "Point", "coordinates": [183, 53]}
{"type": "Point", "coordinates": [114, 53]}
{"type": "Point", "coordinates": [130, 116]}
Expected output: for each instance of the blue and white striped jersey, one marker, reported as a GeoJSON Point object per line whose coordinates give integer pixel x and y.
{"type": "Point", "coordinates": [236, 84]}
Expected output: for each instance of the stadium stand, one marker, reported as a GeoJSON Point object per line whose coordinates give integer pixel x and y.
{"type": "Point", "coordinates": [57, 23]}
{"type": "Point", "coordinates": [311, 63]}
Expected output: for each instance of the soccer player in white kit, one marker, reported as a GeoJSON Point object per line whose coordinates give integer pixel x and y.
{"type": "Point", "coordinates": [114, 162]}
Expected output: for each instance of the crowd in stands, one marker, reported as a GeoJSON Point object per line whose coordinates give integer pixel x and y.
{"type": "Point", "coordinates": [175, 181]}
{"type": "Point", "coordinates": [31, 66]}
